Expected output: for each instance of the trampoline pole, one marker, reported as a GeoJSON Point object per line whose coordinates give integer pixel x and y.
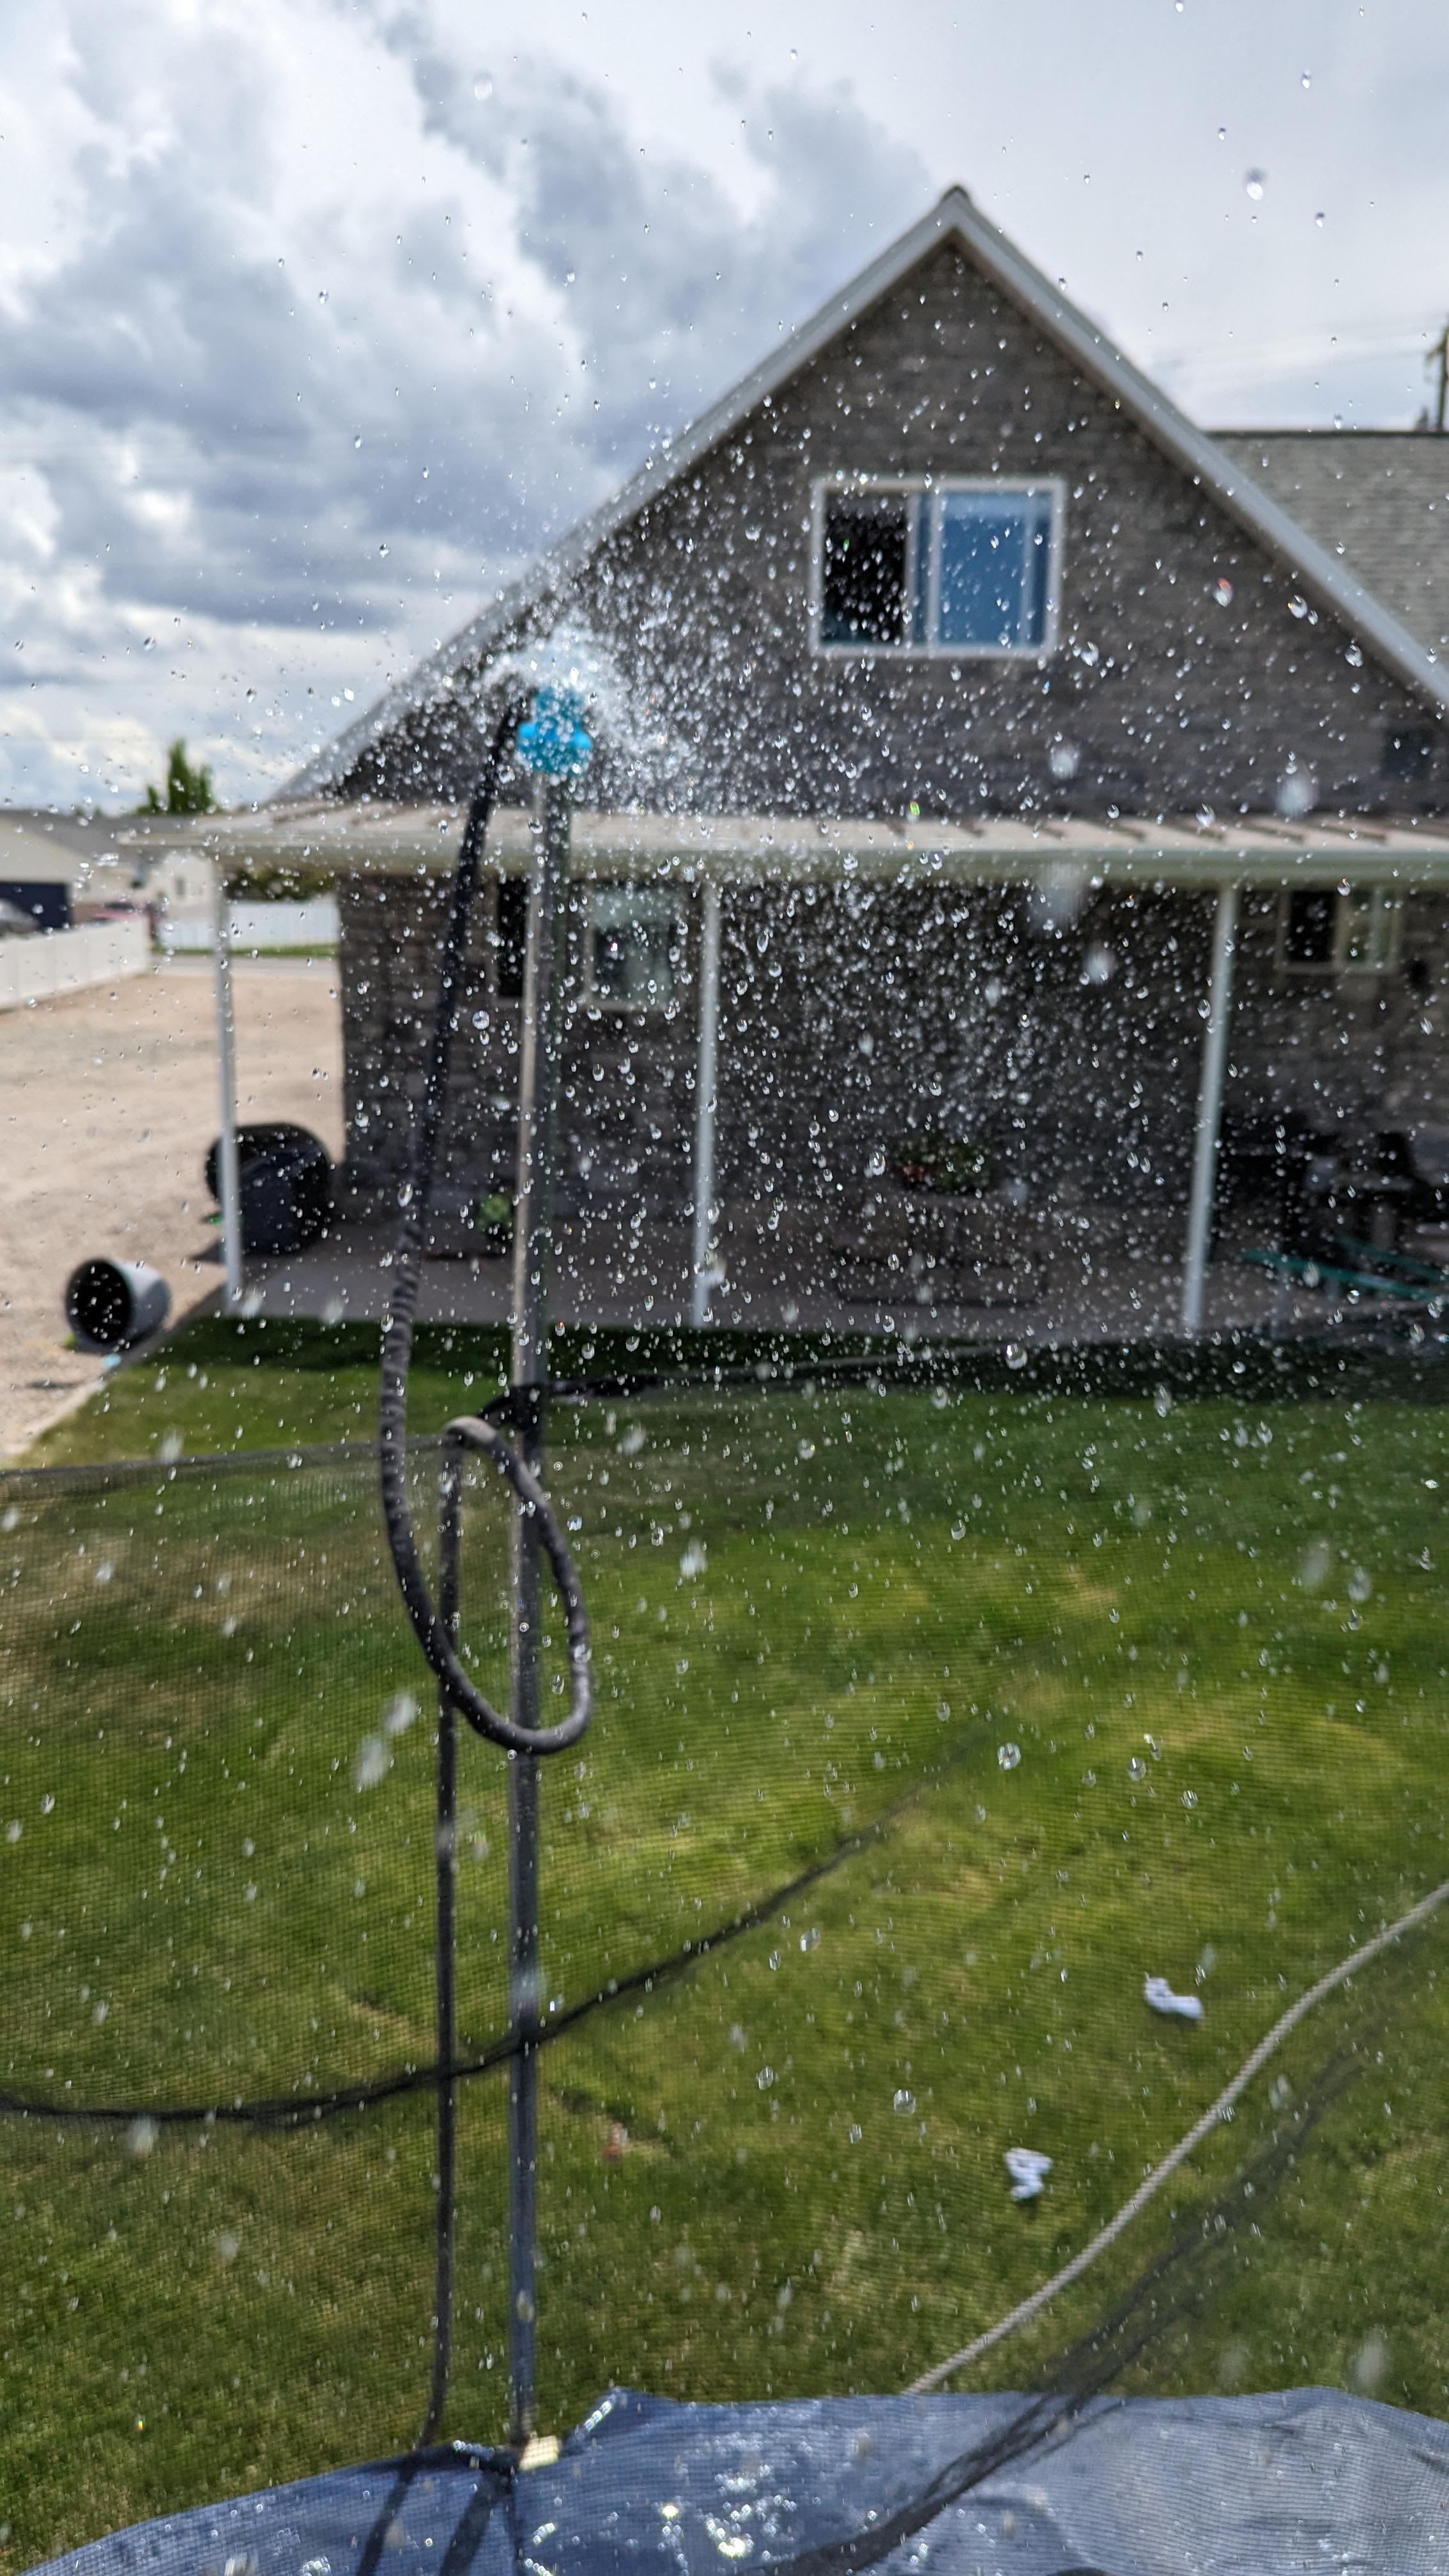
{"type": "Point", "coordinates": [228, 1178]}
{"type": "Point", "coordinates": [445, 1968]}
{"type": "Point", "coordinates": [532, 1245]}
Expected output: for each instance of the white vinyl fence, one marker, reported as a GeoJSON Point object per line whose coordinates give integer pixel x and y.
{"type": "Point", "coordinates": [66, 961]}
{"type": "Point", "coordinates": [313, 924]}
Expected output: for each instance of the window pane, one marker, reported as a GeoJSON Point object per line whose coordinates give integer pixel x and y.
{"type": "Point", "coordinates": [994, 551]}
{"type": "Point", "coordinates": [863, 571]}
{"type": "Point", "coordinates": [1368, 933]}
{"type": "Point", "coordinates": [634, 939]}
{"type": "Point", "coordinates": [1312, 926]}
{"type": "Point", "coordinates": [512, 936]}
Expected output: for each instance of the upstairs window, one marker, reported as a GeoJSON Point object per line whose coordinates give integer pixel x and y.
{"type": "Point", "coordinates": [942, 567]}
{"type": "Point", "coordinates": [1409, 755]}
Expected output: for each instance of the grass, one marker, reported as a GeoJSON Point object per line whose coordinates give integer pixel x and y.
{"type": "Point", "coordinates": [1211, 1625]}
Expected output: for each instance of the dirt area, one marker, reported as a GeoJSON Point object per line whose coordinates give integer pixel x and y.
{"type": "Point", "coordinates": [108, 1102]}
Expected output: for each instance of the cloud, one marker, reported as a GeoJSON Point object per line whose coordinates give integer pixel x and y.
{"type": "Point", "coordinates": [288, 392]}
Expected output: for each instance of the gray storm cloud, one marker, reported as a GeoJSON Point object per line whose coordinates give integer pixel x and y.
{"type": "Point", "coordinates": [334, 423]}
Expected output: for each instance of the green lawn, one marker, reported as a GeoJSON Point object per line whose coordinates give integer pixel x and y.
{"type": "Point", "coordinates": [1210, 1622]}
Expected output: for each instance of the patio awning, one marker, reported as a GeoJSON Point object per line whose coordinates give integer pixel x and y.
{"type": "Point", "coordinates": [749, 849]}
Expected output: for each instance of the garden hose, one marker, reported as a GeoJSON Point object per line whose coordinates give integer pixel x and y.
{"type": "Point", "coordinates": [429, 1627]}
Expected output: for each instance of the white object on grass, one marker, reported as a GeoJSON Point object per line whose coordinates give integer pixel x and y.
{"type": "Point", "coordinates": [1028, 2169]}
{"type": "Point", "coordinates": [1159, 1994]}
{"type": "Point", "coordinates": [1021, 2315]}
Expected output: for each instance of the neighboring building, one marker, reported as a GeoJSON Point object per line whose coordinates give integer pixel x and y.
{"type": "Point", "coordinates": [962, 693]}
{"type": "Point", "coordinates": [60, 868]}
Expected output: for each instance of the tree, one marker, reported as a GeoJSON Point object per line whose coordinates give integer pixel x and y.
{"type": "Point", "coordinates": [188, 786]}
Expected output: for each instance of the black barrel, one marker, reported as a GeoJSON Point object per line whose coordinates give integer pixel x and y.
{"type": "Point", "coordinates": [284, 1178]}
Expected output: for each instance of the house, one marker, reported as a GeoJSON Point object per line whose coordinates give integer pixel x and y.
{"type": "Point", "coordinates": [1003, 789]}
{"type": "Point", "coordinates": [61, 868]}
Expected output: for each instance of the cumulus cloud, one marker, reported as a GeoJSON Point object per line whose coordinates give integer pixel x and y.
{"type": "Point", "coordinates": [289, 391]}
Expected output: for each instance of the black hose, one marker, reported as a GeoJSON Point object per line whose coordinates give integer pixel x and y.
{"type": "Point", "coordinates": [429, 1627]}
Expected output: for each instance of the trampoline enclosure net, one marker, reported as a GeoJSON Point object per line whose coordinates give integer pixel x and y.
{"type": "Point", "coordinates": [917, 1748]}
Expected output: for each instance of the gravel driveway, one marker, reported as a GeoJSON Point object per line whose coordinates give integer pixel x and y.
{"type": "Point", "coordinates": [108, 1102]}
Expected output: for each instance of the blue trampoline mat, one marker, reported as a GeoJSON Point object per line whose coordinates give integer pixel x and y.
{"type": "Point", "coordinates": [1234, 2486]}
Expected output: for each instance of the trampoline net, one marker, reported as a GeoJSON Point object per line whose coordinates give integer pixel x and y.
{"type": "Point", "coordinates": [929, 1723]}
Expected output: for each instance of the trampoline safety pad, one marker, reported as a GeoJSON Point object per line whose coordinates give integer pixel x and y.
{"type": "Point", "coordinates": [1236, 2486]}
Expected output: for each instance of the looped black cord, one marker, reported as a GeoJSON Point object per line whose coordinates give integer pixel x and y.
{"type": "Point", "coordinates": [471, 1431]}
{"type": "Point", "coordinates": [430, 1630]}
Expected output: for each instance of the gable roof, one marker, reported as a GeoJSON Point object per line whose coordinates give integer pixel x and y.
{"type": "Point", "coordinates": [1381, 496]}
{"type": "Point", "coordinates": [953, 218]}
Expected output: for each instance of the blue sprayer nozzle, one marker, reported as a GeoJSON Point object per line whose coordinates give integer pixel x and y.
{"type": "Point", "coordinates": [554, 741]}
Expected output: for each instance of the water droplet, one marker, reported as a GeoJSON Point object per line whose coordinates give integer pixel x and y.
{"type": "Point", "coordinates": [811, 1940]}
{"type": "Point", "coordinates": [1016, 1355]}
{"type": "Point", "coordinates": [1360, 1584]}
{"type": "Point", "coordinates": [694, 1559]}
{"type": "Point", "coordinates": [373, 1762]}
{"type": "Point", "coordinates": [903, 2101]}
{"type": "Point", "coordinates": [1314, 1563]}
{"type": "Point", "coordinates": [1223, 591]}
{"type": "Point", "coordinates": [1318, 219]}
{"type": "Point", "coordinates": [1255, 181]}
{"type": "Point", "coordinates": [483, 86]}
{"type": "Point", "coordinates": [399, 1713]}
{"type": "Point", "coordinates": [382, 550]}
{"type": "Point", "coordinates": [228, 2246]}
{"type": "Point", "coordinates": [141, 2137]}
{"type": "Point", "coordinates": [807, 1449]}
{"type": "Point", "coordinates": [1297, 606]}
{"type": "Point", "coordinates": [1189, 1797]}
{"type": "Point", "coordinates": [105, 1571]}
{"type": "Point", "coordinates": [1136, 1767]}
{"type": "Point", "coordinates": [1354, 657]}
{"type": "Point", "coordinates": [1008, 1755]}
{"type": "Point", "coordinates": [47, 1803]}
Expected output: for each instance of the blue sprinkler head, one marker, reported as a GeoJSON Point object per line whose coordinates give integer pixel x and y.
{"type": "Point", "coordinates": [554, 741]}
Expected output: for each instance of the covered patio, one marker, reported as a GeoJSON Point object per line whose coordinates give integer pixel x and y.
{"type": "Point", "coordinates": [1156, 1024]}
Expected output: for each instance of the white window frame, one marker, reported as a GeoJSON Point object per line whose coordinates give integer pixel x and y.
{"type": "Point", "coordinates": [1380, 907]}
{"type": "Point", "coordinates": [670, 908]}
{"type": "Point", "coordinates": [1028, 486]}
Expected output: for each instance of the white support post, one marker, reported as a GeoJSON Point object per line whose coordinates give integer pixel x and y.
{"type": "Point", "coordinates": [1209, 1110]}
{"type": "Point", "coordinates": [704, 1275]}
{"type": "Point", "coordinates": [228, 1178]}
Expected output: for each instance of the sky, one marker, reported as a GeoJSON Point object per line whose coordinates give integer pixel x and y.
{"type": "Point", "coordinates": [319, 317]}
